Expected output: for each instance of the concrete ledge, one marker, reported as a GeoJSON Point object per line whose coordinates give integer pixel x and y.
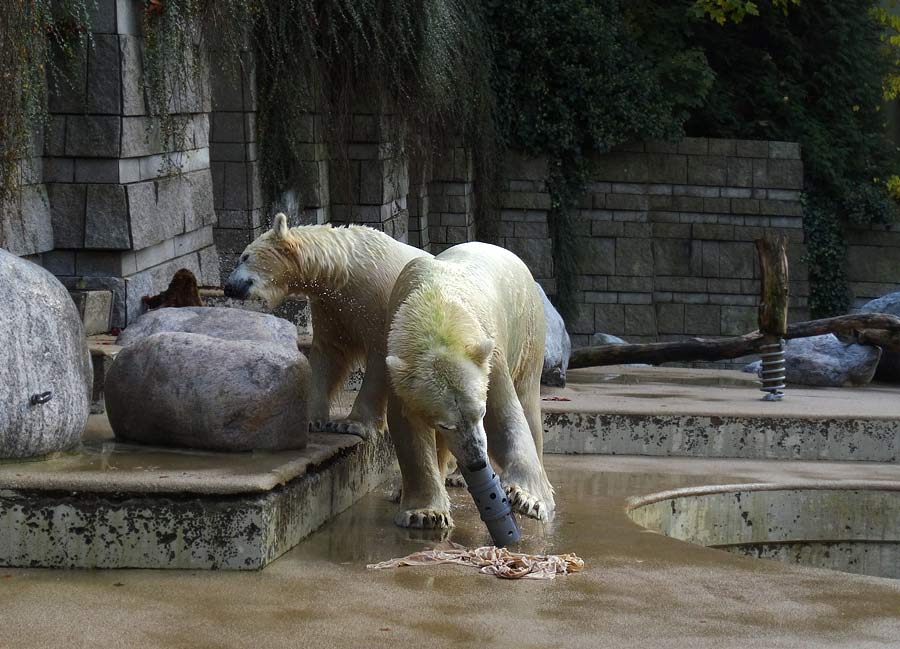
{"type": "Point", "coordinates": [627, 410]}
{"type": "Point", "coordinates": [210, 518]}
{"type": "Point", "coordinates": [780, 438]}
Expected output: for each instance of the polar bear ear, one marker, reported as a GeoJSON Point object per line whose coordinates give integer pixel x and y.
{"type": "Point", "coordinates": [481, 351]}
{"type": "Point", "coordinates": [395, 365]}
{"type": "Point", "coordinates": [279, 226]}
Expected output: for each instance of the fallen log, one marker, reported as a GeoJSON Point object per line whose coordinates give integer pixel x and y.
{"type": "Point", "coordinates": [864, 327]}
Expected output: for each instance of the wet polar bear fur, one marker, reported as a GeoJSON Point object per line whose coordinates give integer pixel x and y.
{"type": "Point", "coordinates": [347, 273]}
{"type": "Point", "coordinates": [465, 353]}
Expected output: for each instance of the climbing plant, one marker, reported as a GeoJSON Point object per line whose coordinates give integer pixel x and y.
{"type": "Point", "coordinates": [39, 39]}
{"type": "Point", "coordinates": [570, 81]}
{"type": "Point", "coordinates": [810, 71]}
{"type": "Point", "coordinates": [424, 60]}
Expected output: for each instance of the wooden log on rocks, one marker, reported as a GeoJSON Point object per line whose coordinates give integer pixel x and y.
{"type": "Point", "coordinates": [698, 349]}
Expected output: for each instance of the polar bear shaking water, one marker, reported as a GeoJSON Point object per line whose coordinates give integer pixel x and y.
{"type": "Point", "coordinates": [347, 273]}
{"type": "Point", "coordinates": [465, 353]}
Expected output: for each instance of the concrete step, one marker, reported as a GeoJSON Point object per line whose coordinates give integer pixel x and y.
{"type": "Point", "coordinates": [113, 505]}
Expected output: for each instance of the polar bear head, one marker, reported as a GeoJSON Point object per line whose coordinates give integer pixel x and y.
{"type": "Point", "coordinates": [287, 260]}
{"type": "Point", "coordinates": [439, 361]}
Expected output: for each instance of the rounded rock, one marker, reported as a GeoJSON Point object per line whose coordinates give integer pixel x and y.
{"type": "Point", "coordinates": [889, 366]}
{"type": "Point", "coordinates": [196, 391]}
{"type": "Point", "coordinates": [218, 322]}
{"type": "Point", "coordinates": [557, 345]}
{"type": "Point", "coordinates": [45, 365]}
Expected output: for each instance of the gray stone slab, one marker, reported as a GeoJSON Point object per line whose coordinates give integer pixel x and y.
{"type": "Point", "coordinates": [160, 209]}
{"type": "Point", "coordinates": [107, 218]}
{"type": "Point", "coordinates": [93, 136]}
{"type": "Point", "coordinates": [25, 224]}
{"type": "Point", "coordinates": [116, 285]}
{"type": "Point", "coordinates": [104, 87]}
{"type": "Point", "coordinates": [95, 310]}
{"type": "Point", "coordinates": [67, 207]}
{"type": "Point", "coordinates": [133, 99]}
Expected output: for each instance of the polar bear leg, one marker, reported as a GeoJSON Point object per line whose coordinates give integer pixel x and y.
{"type": "Point", "coordinates": [367, 415]}
{"type": "Point", "coordinates": [530, 397]}
{"type": "Point", "coordinates": [328, 368]}
{"type": "Point", "coordinates": [511, 443]}
{"type": "Point", "coordinates": [424, 502]}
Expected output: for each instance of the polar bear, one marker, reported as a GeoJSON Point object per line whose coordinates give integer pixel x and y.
{"type": "Point", "coordinates": [465, 353]}
{"type": "Point", "coordinates": [347, 273]}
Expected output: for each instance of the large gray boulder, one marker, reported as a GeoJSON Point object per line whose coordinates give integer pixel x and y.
{"type": "Point", "coordinates": [44, 357]}
{"type": "Point", "coordinates": [826, 361]}
{"type": "Point", "coordinates": [218, 322]}
{"type": "Point", "coordinates": [889, 366]}
{"type": "Point", "coordinates": [557, 345]}
{"type": "Point", "coordinates": [196, 391]}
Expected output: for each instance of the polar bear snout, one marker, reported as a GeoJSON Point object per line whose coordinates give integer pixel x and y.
{"type": "Point", "coordinates": [238, 284]}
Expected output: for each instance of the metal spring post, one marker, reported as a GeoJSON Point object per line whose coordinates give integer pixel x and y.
{"type": "Point", "coordinates": [773, 372]}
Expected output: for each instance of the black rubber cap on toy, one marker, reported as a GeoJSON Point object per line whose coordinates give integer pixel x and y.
{"type": "Point", "coordinates": [493, 505]}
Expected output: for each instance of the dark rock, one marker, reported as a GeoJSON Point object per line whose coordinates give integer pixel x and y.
{"type": "Point", "coordinates": [217, 322]}
{"type": "Point", "coordinates": [196, 391]}
{"type": "Point", "coordinates": [557, 345]}
{"type": "Point", "coordinates": [889, 366]}
{"type": "Point", "coordinates": [826, 361]}
{"type": "Point", "coordinates": [44, 351]}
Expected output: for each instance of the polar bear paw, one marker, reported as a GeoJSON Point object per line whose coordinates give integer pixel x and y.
{"type": "Point", "coordinates": [527, 504]}
{"type": "Point", "coordinates": [346, 427]}
{"type": "Point", "coordinates": [424, 519]}
{"type": "Point", "coordinates": [455, 479]}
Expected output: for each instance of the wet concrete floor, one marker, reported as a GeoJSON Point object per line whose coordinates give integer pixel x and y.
{"type": "Point", "coordinates": [639, 589]}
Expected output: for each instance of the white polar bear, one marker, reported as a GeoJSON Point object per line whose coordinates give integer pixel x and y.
{"type": "Point", "coordinates": [465, 352]}
{"type": "Point", "coordinates": [347, 273]}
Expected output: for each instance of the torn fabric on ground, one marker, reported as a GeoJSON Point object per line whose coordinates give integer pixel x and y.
{"type": "Point", "coordinates": [491, 560]}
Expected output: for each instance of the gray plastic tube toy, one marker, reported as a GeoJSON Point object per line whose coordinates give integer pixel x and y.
{"type": "Point", "coordinates": [493, 504]}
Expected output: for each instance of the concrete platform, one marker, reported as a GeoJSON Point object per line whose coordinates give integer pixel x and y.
{"type": "Point", "coordinates": [113, 505]}
{"type": "Point", "coordinates": [625, 410]}
{"type": "Point", "coordinates": [639, 589]}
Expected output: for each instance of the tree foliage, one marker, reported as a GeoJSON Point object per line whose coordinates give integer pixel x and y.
{"type": "Point", "coordinates": [809, 71]}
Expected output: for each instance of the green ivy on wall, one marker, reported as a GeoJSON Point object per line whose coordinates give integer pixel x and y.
{"type": "Point", "coordinates": [39, 39]}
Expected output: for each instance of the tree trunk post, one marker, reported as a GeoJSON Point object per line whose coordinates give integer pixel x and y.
{"type": "Point", "coordinates": [773, 313]}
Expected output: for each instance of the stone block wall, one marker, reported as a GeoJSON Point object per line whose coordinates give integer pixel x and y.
{"type": "Point", "coordinates": [122, 219]}
{"type": "Point", "coordinates": [451, 199]}
{"type": "Point", "coordinates": [664, 236]}
{"type": "Point", "coordinates": [369, 179]}
{"type": "Point", "coordinates": [25, 228]}
{"type": "Point", "coordinates": [873, 261]}
{"type": "Point", "coordinates": [234, 155]}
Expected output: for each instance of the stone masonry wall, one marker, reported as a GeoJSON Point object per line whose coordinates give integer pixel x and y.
{"type": "Point", "coordinates": [121, 219]}
{"type": "Point", "coordinates": [25, 228]}
{"type": "Point", "coordinates": [234, 155]}
{"type": "Point", "coordinates": [664, 236]}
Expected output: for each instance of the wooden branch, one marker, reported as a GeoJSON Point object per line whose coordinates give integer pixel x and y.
{"type": "Point", "coordinates": [698, 349]}
{"type": "Point", "coordinates": [773, 264]}
{"type": "Point", "coordinates": [887, 340]}
{"type": "Point", "coordinates": [848, 325]}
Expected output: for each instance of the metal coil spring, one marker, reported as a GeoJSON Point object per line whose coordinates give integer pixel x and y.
{"type": "Point", "coordinates": [773, 372]}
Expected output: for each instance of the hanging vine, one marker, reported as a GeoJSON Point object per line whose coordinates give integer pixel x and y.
{"type": "Point", "coordinates": [39, 40]}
